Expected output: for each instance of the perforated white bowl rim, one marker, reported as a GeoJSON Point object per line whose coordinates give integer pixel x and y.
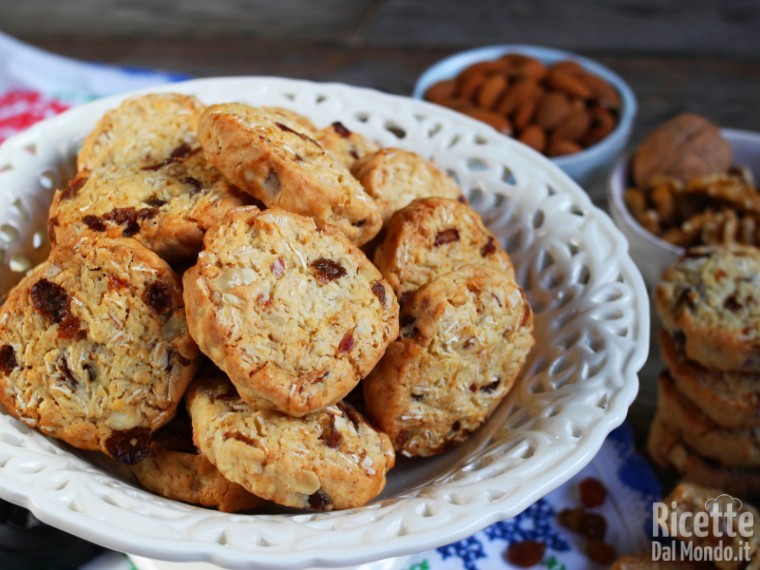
{"type": "Point", "coordinates": [592, 329]}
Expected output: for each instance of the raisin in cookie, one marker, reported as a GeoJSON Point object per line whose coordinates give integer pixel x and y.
{"type": "Point", "coordinates": [395, 178]}
{"type": "Point", "coordinates": [730, 399]}
{"type": "Point", "coordinates": [733, 448]}
{"type": "Point", "coordinates": [330, 459]}
{"type": "Point", "coordinates": [294, 313]}
{"type": "Point", "coordinates": [464, 339]}
{"type": "Point", "coordinates": [175, 469]}
{"type": "Point", "coordinates": [167, 208]}
{"type": "Point", "coordinates": [142, 132]}
{"type": "Point", "coordinates": [430, 237]}
{"type": "Point", "coordinates": [277, 162]}
{"type": "Point", "coordinates": [348, 146]}
{"type": "Point", "coordinates": [94, 347]}
{"type": "Point", "coordinates": [709, 301]}
{"type": "Point", "coordinates": [669, 452]}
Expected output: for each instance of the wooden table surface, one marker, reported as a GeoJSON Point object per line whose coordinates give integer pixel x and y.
{"type": "Point", "coordinates": [701, 56]}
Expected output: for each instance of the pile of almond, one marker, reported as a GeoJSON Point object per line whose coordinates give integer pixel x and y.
{"type": "Point", "coordinates": [559, 109]}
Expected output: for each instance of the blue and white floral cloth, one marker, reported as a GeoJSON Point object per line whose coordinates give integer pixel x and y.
{"type": "Point", "coordinates": [35, 84]}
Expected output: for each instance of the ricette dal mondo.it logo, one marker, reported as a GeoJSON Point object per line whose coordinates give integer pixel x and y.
{"type": "Point", "coordinates": [720, 532]}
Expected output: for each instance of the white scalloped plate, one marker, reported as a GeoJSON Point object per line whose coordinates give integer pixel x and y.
{"type": "Point", "coordinates": [592, 328]}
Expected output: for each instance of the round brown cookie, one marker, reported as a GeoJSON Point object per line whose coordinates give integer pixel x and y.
{"type": "Point", "coordinates": [281, 165]}
{"type": "Point", "coordinates": [94, 347]}
{"type": "Point", "coordinates": [395, 178]}
{"type": "Point", "coordinates": [669, 452]}
{"type": "Point", "coordinates": [176, 470]}
{"type": "Point", "coordinates": [348, 146]}
{"type": "Point", "coordinates": [464, 339]}
{"type": "Point", "coordinates": [688, 498]}
{"type": "Point", "coordinates": [709, 301]}
{"type": "Point", "coordinates": [167, 208]}
{"type": "Point", "coordinates": [430, 237]}
{"type": "Point", "coordinates": [142, 132]}
{"type": "Point", "coordinates": [733, 448]}
{"type": "Point", "coordinates": [330, 459]}
{"type": "Point", "coordinates": [730, 399]}
{"type": "Point", "coordinates": [294, 313]}
{"type": "Point", "coordinates": [296, 119]}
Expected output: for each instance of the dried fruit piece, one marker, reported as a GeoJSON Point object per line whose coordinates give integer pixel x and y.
{"type": "Point", "coordinates": [327, 270]}
{"type": "Point", "coordinates": [158, 297]}
{"type": "Point", "coordinates": [600, 552]}
{"type": "Point", "coordinates": [592, 491]}
{"type": "Point", "coordinates": [8, 362]}
{"type": "Point", "coordinates": [51, 300]}
{"type": "Point", "coordinates": [526, 553]}
{"type": "Point", "coordinates": [449, 235]}
{"type": "Point", "coordinates": [129, 446]}
{"type": "Point", "coordinates": [593, 526]}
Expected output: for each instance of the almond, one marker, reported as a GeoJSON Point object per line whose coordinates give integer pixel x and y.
{"type": "Point", "coordinates": [563, 147]}
{"type": "Point", "coordinates": [516, 95]}
{"type": "Point", "coordinates": [534, 137]}
{"type": "Point", "coordinates": [468, 85]}
{"type": "Point", "coordinates": [573, 127]}
{"type": "Point", "coordinates": [569, 66]}
{"type": "Point", "coordinates": [491, 90]}
{"type": "Point", "coordinates": [525, 112]}
{"type": "Point", "coordinates": [553, 109]}
{"type": "Point", "coordinates": [604, 93]}
{"type": "Point", "coordinates": [498, 122]}
{"type": "Point", "coordinates": [441, 90]}
{"type": "Point", "coordinates": [568, 83]}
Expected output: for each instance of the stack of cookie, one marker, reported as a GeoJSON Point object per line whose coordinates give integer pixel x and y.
{"type": "Point", "coordinates": [264, 215]}
{"type": "Point", "coordinates": [708, 412]}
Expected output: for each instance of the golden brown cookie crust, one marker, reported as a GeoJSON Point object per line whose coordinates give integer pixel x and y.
{"type": "Point", "coordinates": [733, 448]}
{"type": "Point", "coordinates": [669, 452]}
{"type": "Point", "coordinates": [94, 347]}
{"type": "Point", "coordinates": [330, 459]}
{"type": "Point", "coordinates": [433, 236]}
{"type": "Point", "coordinates": [730, 399]}
{"type": "Point", "coordinates": [142, 132]}
{"type": "Point", "coordinates": [176, 470]}
{"type": "Point", "coordinates": [709, 300]}
{"type": "Point", "coordinates": [295, 314]}
{"type": "Point", "coordinates": [395, 178]}
{"type": "Point", "coordinates": [273, 159]}
{"type": "Point", "coordinates": [464, 339]}
{"type": "Point", "coordinates": [349, 146]}
{"type": "Point", "coordinates": [166, 208]}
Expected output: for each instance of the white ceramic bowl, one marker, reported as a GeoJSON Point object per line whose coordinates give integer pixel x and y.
{"type": "Point", "coordinates": [584, 167]}
{"type": "Point", "coordinates": [592, 328]}
{"type": "Point", "coordinates": [652, 254]}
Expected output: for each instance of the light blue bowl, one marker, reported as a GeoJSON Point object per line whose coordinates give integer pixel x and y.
{"type": "Point", "coordinates": [585, 167]}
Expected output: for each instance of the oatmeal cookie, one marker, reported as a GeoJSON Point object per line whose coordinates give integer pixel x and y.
{"type": "Point", "coordinates": [692, 498]}
{"type": "Point", "coordinates": [709, 302]}
{"type": "Point", "coordinates": [395, 178]}
{"type": "Point", "coordinates": [330, 459]}
{"type": "Point", "coordinates": [730, 399]}
{"type": "Point", "coordinates": [464, 339]}
{"type": "Point", "coordinates": [348, 146]}
{"type": "Point", "coordinates": [277, 162]}
{"type": "Point", "coordinates": [167, 207]}
{"type": "Point", "coordinates": [733, 448]}
{"type": "Point", "coordinates": [294, 313]}
{"type": "Point", "coordinates": [670, 452]}
{"type": "Point", "coordinates": [176, 470]}
{"type": "Point", "coordinates": [94, 347]}
{"type": "Point", "coordinates": [142, 132]}
{"type": "Point", "coordinates": [430, 237]}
